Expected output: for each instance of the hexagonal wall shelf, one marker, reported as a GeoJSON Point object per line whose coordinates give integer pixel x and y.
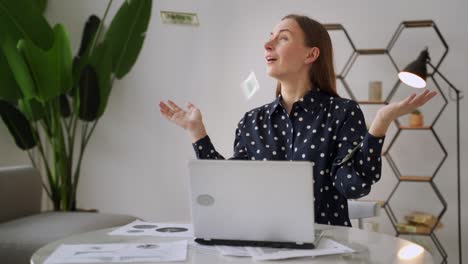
{"type": "Point", "coordinates": [355, 68]}
{"type": "Point", "coordinates": [361, 70]}
{"type": "Point", "coordinates": [420, 162]}
{"type": "Point", "coordinates": [425, 198]}
{"type": "Point", "coordinates": [411, 37]}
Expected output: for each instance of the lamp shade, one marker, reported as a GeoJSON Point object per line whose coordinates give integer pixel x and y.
{"type": "Point", "coordinates": [415, 73]}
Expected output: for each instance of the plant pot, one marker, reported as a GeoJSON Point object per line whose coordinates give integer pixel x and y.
{"type": "Point", "coordinates": [415, 120]}
{"type": "Point", "coordinates": [87, 210]}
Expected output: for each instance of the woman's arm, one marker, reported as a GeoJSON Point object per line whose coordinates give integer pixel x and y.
{"type": "Point", "coordinates": [204, 148]}
{"type": "Point", "coordinates": [387, 114]}
{"type": "Point", "coordinates": [357, 163]}
{"type": "Point", "coordinates": [191, 120]}
{"type": "Point", "coordinates": [357, 167]}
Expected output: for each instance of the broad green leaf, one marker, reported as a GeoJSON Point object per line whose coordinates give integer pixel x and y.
{"type": "Point", "coordinates": [19, 68]}
{"type": "Point", "coordinates": [101, 60]}
{"type": "Point", "coordinates": [9, 89]}
{"type": "Point", "coordinates": [76, 71]}
{"type": "Point", "coordinates": [80, 60]}
{"type": "Point", "coordinates": [21, 19]}
{"type": "Point", "coordinates": [64, 104]}
{"type": "Point", "coordinates": [32, 109]}
{"type": "Point", "coordinates": [126, 34]}
{"type": "Point", "coordinates": [89, 32]}
{"type": "Point", "coordinates": [51, 69]}
{"type": "Point", "coordinates": [41, 4]}
{"type": "Point", "coordinates": [88, 94]}
{"type": "Point", "coordinates": [18, 125]}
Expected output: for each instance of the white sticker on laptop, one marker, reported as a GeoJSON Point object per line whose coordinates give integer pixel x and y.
{"type": "Point", "coordinates": [205, 199]}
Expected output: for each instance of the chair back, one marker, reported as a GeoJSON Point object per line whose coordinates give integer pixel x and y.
{"type": "Point", "coordinates": [20, 192]}
{"type": "Point", "coordinates": [363, 209]}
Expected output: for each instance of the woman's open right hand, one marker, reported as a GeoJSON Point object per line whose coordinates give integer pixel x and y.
{"type": "Point", "coordinates": [190, 120]}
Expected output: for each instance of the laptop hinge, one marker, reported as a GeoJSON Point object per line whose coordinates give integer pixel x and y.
{"type": "Point", "coordinates": [250, 243]}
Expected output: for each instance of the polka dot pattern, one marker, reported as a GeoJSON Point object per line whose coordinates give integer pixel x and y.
{"type": "Point", "coordinates": [328, 131]}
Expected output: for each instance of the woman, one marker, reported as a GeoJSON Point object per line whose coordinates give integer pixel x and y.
{"type": "Point", "coordinates": [307, 121]}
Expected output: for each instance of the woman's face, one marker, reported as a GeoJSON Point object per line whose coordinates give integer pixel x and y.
{"type": "Point", "coordinates": [285, 52]}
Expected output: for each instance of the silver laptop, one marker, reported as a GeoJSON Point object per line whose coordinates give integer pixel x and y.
{"type": "Point", "coordinates": [252, 203]}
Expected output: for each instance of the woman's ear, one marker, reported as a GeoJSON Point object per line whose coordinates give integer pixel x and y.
{"type": "Point", "coordinates": [312, 55]}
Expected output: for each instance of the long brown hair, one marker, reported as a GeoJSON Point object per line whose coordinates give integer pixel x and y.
{"type": "Point", "coordinates": [322, 72]}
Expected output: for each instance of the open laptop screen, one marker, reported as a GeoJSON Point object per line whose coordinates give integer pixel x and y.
{"type": "Point", "coordinates": [253, 202]}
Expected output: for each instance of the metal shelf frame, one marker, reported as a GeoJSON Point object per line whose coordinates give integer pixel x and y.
{"type": "Point", "coordinates": [428, 179]}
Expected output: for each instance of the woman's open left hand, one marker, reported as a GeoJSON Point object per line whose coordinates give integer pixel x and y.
{"type": "Point", "coordinates": [190, 119]}
{"type": "Point", "coordinates": [394, 110]}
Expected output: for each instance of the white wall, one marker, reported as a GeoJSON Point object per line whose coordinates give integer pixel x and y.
{"type": "Point", "coordinates": [136, 162]}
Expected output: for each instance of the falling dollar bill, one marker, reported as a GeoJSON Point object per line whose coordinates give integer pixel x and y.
{"type": "Point", "coordinates": [250, 86]}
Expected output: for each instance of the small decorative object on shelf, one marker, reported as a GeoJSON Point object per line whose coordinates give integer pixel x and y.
{"type": "Point", "coordinates": [375, 91]}
{"type": "Point", "coordinates": [412, 228]}
{"type": "Point", "coordinates": [415, 119]}
{"type": "Point", "coordinates": [419, 223]}
{"type": "Point", "coordinates": [422, 218]}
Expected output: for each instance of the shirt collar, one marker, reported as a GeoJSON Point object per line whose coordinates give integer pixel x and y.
{"type": "Point", "coordinates": [308, 102]}
{"type": "Point", "coordinates": [275, 104]}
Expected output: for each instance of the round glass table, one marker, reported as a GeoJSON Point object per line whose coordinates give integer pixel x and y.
{"type": "Point", "coordinates": [370, 247]}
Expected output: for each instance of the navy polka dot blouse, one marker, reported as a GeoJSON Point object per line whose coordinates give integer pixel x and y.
{"type": "Point", "coordinates": [328, 131]}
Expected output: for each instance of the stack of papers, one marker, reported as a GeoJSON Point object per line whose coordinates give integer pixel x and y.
{"type": "Point", "coordinates": [119, 253]}
{"type": "Point", "coordinates": [326, 247]}
{"type": "Point", "coordinates": [177, 251]}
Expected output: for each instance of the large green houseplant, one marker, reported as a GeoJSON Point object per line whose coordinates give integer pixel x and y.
{"type": "Point", "coordinates": [52, 101]}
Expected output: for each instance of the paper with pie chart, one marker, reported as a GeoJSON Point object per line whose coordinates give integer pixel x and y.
{"type": "Point", "coordinates": [141, 228]}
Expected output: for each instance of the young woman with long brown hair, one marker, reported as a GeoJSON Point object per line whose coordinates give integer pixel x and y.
{"type": "Point", "coordinates": [307, 120]}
